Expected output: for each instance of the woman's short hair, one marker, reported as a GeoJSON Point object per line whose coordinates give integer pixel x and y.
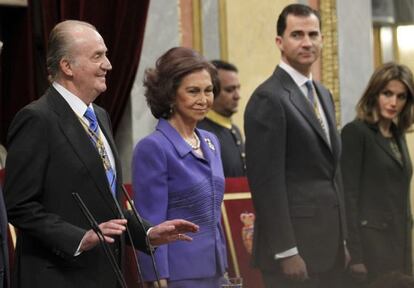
{"type": "Point", "coordinates": [367, 107]}
{"type": "Point", "coordinates": [162, 82]}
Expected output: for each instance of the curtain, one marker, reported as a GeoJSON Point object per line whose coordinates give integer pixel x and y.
{"type": "Point", "coordinates": [17, 80]}
{"type": "Point", "coordinates": [24, 31]}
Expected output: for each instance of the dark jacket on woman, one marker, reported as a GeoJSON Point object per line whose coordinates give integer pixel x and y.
{"type": "Point", "coordinates": [377, 188]}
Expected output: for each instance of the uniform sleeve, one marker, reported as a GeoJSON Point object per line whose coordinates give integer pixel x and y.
{"type": "Point", "coordinates": [149, 180]}
{"type": "Point", "coordinates": [351, 165]}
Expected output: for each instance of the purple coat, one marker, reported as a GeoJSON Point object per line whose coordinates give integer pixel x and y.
{"type": "Point", "coordinates": [171, 181]}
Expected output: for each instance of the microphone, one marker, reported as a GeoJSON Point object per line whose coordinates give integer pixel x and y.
{"type": "Point", "coordinates": [141, 223]}
{"type": "Point", "coordinates": [95, 227]}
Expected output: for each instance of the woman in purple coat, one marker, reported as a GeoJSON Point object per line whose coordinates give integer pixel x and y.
{"type": "Point", "coordinates": [177, 171]}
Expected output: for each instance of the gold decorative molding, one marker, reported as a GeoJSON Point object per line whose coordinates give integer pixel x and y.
{"type": "Point", "coordinates": [237, 196]}
{"type": "Point", "coordinates": [22, 3]}
{"type": "Point", "coordinates": [377, 46]}
{"type": "Point", "coordinates": [330, 66]}
{"type": "Point", "coordinates": [197, 26]}
{"type": "Point", "coordinates": [230, 240]}
{"type": "Point", "coordinates": [395, 46]}
{"type": "Point", "coordinates": [224, 51]}
{"type": "Point", "coordinates": [227, 197]}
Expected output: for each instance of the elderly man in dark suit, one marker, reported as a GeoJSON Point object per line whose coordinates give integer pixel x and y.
{"type": "Point", "coordinates": [63, 144]}
{"type": "Point", "coordinates": [293, 150]}
{"type": "Point", "coordinates": [4, 255]}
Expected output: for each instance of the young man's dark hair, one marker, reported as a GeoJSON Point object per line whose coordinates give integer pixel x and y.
{"type": "Point", "coordinates": [297, 10]}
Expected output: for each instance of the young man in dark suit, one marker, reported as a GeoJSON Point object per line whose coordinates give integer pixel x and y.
{"type": "Point", "coordinates": [63, 144]}
{"type": "Point", "coordinates": [293, 149]}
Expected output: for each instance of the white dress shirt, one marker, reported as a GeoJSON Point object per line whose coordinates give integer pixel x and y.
{"type": "Point", "coordinates": [79, 107]}
{"type": "Point", "coordinates": [301, 80]}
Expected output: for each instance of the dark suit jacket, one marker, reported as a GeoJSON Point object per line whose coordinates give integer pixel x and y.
{"type": "Point", "coordinates": [50, 157]}
{"type": "Point", "coordinates": [294, 174]}
{"type": "Point", "coordinates": [4, 255]}
{"type": "Point", "coordinates": [377, 191]}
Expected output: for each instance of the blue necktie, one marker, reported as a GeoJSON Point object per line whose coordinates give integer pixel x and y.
{"type": "Point", "coordinates": [93, 125]}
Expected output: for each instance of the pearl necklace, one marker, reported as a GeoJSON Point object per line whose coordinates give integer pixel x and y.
{"type": "Point", "coordinates": [195, 146]}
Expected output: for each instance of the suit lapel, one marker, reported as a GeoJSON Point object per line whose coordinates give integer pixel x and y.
{"type": "Point", "coordinates": [80, 142]}
{"type": "Point", "coordinates": [385, 145]}
{"type": "Point", "coordinates": [174, 137]}
{"type": "Point", "coordinates": [299, 101]}
{"type": "Point", "coordinates": [181, 146]}
{"type": "Point", "coordinates": [326, 102]}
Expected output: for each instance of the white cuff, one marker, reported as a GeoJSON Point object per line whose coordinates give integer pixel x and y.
{"type": "Point", "coordinates": [287, 253]}
{"type": "Point", "coordinates": [78, 252]}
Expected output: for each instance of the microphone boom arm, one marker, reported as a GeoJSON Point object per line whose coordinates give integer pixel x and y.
{"type": "Point", "coordinates": [141, 223]}
{"type": "Point", "coordinates": [95, 227]}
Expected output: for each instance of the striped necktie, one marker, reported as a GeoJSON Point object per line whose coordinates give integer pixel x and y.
{"type": "Point", "coordinates": [98, 143]}
{"type": "Point", "coordinates": [314, 102]}
{"type": "Point", "coordinates": [311, 96]}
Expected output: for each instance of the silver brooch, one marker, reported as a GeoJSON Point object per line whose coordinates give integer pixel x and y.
{"type": "Point", "coordinates": [210, 144]}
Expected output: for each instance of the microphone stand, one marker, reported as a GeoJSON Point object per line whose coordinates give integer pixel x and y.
{"type": "Point", "coordinates": [131, 242]}
{"type": "Point", "coordinates": [141, 223]}
{"type": "Point", "coordinates": [95, 227]}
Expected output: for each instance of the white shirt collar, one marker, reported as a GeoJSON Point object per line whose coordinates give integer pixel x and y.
{"type": "Point", "coordinates": [297, 77]}
{"type": "Point", "coordinates": [77, 105]}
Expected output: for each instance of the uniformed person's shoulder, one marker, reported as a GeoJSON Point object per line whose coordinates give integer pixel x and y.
{"type": "Point", "coordinates": [207, 134]}
{"type": "Point", "coordinates": [236, 129]}
{"type": "Point", "coordinates": [207, 124]}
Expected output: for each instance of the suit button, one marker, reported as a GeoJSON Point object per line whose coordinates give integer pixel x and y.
{"type": "Point", "coordinates": [116, 251]}
{"type": "Point", "coordinates": [364, 222]}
